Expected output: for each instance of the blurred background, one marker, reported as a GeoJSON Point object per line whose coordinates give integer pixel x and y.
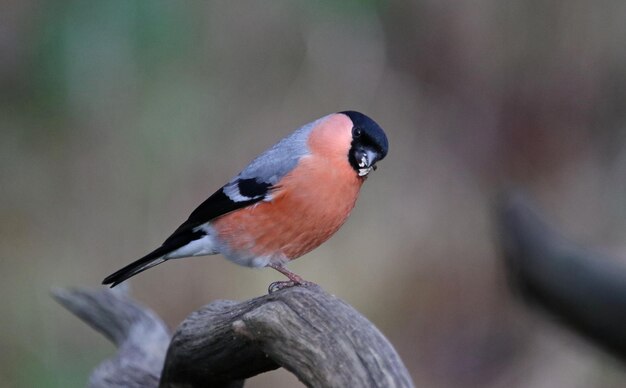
{"type": "Point", "coordinates": [117, 118]}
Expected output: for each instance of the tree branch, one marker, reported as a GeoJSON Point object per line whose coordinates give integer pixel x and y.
{"type": "Point", "coordinates": [584, 289]}
{"type": "Point", "coordinates": [316, 336]}
{"type": "Point", "coordinates": [140, 335]}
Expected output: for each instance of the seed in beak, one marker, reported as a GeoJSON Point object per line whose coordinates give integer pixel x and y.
{"type": "Point", "coordinates": [363, 161]}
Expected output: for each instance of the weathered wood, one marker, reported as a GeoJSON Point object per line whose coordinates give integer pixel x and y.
{"type": "Point", "coordinates": [586, 290]}
{"type": "Point", "coordinates": [141, 337]}
{"type": "Point", "coordinates": [316, 336]}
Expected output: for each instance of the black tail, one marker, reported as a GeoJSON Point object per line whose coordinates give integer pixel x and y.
{"type": "Point", "coordinates": [181, 237]}
{"type": "Point", "coordinates": [148, 261]}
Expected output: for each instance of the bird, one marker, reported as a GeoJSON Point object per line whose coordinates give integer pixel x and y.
{"type": "Point", "coordinates": [285, 203]}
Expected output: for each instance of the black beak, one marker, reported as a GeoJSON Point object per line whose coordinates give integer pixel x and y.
{"type": "Point", "coordinates": [366, 159]}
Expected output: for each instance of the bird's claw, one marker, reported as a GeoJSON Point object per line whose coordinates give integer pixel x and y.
{"type": "Point", "coordinates": [277, 286]}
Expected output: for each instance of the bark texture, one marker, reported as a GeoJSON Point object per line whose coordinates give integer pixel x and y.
{"type": "Point", "coordinates": [321, 339]}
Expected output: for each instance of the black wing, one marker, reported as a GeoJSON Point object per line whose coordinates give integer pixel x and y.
{"type": "Point", "coordinates": [235, 195]}
{"type": "Point", "coordinates": [244, 192]}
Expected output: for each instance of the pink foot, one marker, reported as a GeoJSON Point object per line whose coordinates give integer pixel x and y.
{"type": "Point", "coordinates": [294, 280]}
{"type": "Point", "coordinates": [277, 286]}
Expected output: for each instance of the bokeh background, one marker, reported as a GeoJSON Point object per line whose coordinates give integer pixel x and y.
{"type": "Point", "coordinates": [118, 117]}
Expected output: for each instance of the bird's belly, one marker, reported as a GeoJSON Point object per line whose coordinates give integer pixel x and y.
{"type": "Point", "coordinates": [292, 224]}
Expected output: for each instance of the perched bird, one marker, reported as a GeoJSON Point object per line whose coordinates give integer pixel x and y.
{"type": "Point", "coordinates": [285, 203]}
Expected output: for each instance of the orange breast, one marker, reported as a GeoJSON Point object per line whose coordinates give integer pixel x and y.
{"type": "Point", "coordinates": [308, 207]}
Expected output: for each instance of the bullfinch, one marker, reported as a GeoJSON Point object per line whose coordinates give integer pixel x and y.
{"type": "Point", "coordinates": [285, 203]}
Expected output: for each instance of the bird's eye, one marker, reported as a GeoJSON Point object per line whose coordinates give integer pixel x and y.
{"type": "Point", "coordinates": [356, 132]}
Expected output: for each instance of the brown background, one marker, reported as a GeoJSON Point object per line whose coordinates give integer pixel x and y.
{"type": "Point", "coordinates": [117, 118]}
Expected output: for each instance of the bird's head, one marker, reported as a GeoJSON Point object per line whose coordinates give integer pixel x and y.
{"type": "Point", "coordinates": [369, 143]}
